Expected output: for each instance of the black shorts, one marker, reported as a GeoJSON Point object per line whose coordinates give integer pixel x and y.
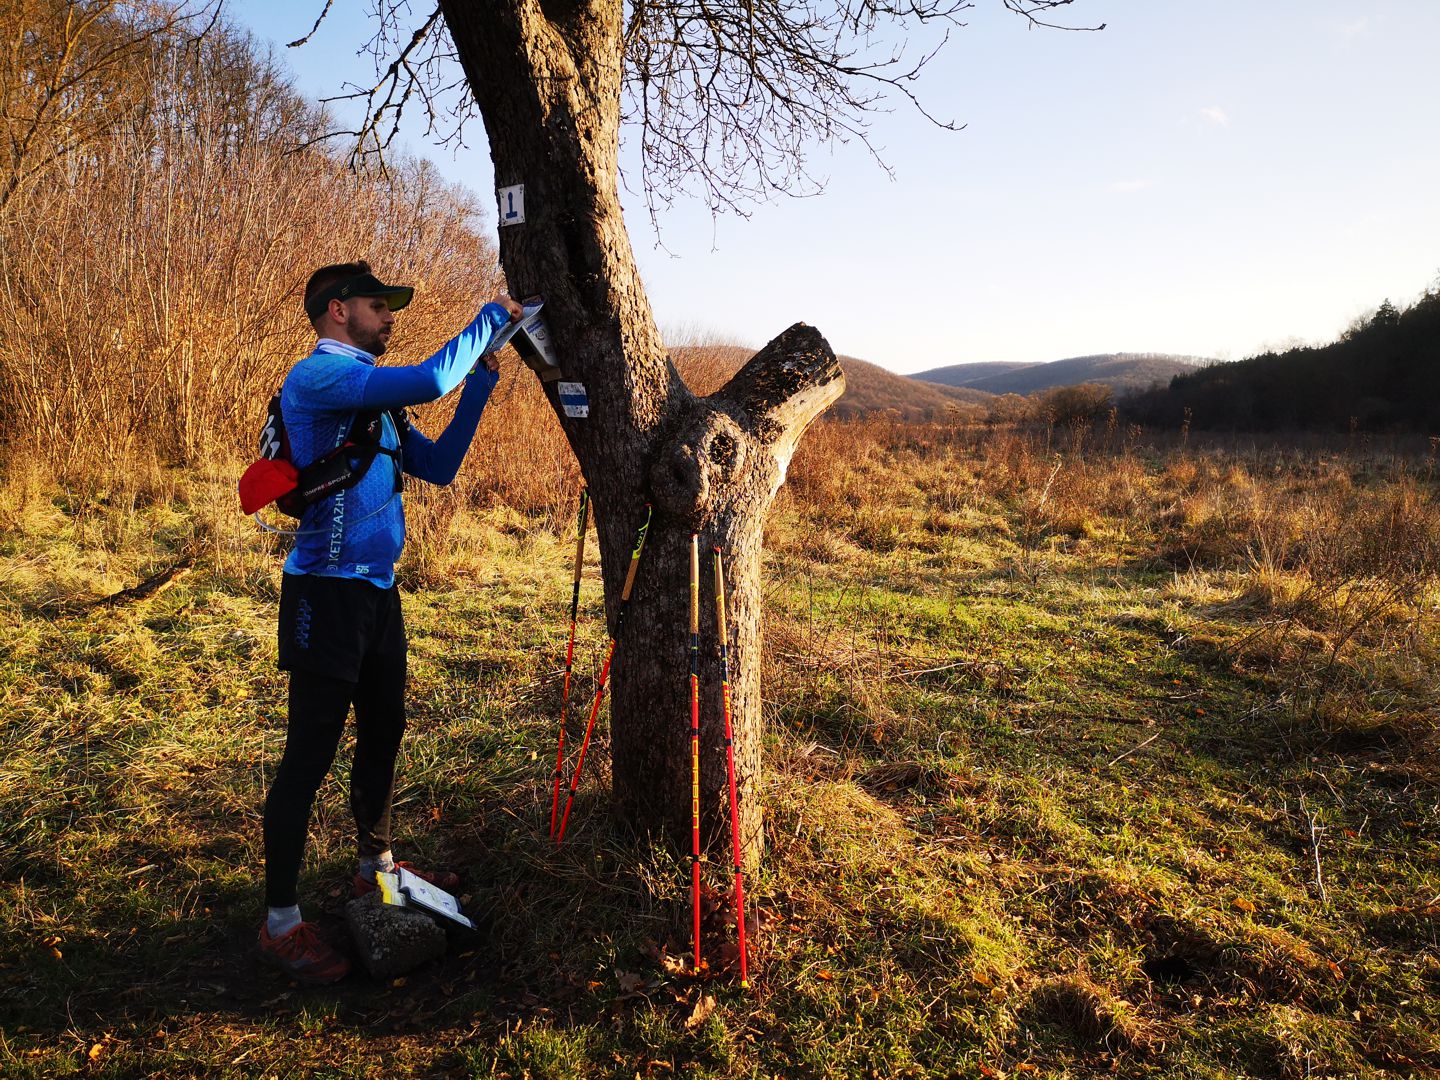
{"type": "Point", "coordinates": [332, 626]}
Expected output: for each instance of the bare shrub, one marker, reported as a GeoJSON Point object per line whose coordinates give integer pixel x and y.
{"type": "Point", "coordinates": [1074, 406]}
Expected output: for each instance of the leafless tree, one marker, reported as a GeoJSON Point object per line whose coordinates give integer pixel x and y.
{"type": "Point", "coordinates": [69, 73]}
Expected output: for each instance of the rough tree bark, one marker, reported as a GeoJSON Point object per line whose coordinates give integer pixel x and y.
{"type": "Point", "coordinates": [546, 75]}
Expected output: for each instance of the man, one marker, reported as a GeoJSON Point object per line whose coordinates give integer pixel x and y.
{"type": "Point", "coordinates": [341, 633]}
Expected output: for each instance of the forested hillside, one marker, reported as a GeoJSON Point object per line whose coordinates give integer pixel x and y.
{"type": "Point", "coordinates": [965, 374]}
{"type": "Point", "coordinates": [1383, 374]}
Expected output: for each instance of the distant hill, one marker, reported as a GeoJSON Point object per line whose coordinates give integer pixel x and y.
{"type": "Point", "coordinates": [965, 374]}
{"type": "Point", "coordinates": [1123, 372]}
{"type": "Point", "coordinates": [1383, 374]}
{"type": "Point", "coordinates": [869, 388]}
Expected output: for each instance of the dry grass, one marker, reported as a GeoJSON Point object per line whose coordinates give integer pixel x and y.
{"type": "Point", "coordinates": [1040, 793]}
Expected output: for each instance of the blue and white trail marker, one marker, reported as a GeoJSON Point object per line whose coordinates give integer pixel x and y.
{"type": "Point", "coordinates": [512, 204]}
{"type": "Point", "coordinates": [573, 399]}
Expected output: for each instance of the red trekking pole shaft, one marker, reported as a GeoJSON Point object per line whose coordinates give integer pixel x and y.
{"type": "Point", "coordinates": [570, 651]}
{"type": "Point", "coordinates": [735, 848]}
{"type": "Point", "coordinates": [605, 670]}
{"type": "Point", "coordinates": [695, 740]}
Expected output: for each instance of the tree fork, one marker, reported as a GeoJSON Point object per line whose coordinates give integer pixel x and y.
{"type": "Point", "coordinates": [546, 75]}
{"type": "Point", "coordinates": [715, 472]}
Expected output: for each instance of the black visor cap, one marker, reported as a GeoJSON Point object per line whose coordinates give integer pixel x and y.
{"type": "Point", "coordinates": [397, 296]}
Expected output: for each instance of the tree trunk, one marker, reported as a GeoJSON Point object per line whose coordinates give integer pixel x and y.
{"type": "Point", "coordinates": [547, 78]}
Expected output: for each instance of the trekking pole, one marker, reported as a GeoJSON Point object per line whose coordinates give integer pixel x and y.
{"type": "Point", "coordinates": [570, 650]}
{"type": "Point", "coordinates": [605, 670]}
{"type": "Point", "coordinates": [695, 740]}
{"type": "Point", "coordinates": [730, 766]}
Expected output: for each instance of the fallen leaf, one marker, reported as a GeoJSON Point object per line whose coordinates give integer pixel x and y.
{"type": "Point", "coordinates": [96, 1050]}
{"type": "Point", "coordinates": [703, 1008]}
{"type": "Point", "coordinates": [630, 983]}
{"type": "Point", "coordinates": [825, 974]}
{"type": "Point", "coordinates": [1241, 904]}
{"type": "Point", "coordinates": [398, 983]}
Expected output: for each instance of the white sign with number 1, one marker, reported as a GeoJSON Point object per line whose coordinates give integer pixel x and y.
{"type": "Point", "coordinates": [512, 205]}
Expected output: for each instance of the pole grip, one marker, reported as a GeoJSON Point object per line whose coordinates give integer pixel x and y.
{"type": "Point", "coordinates": [694, 585]}
{"type": "Point", "coordinates": [720, 601]}
{"type": "Point", "coordinates": [635, 557]}
{"type": "Point", "coordinates": [581, 518]}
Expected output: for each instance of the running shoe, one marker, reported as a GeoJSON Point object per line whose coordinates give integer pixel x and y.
{"type": "Point", "coordinates": [303, 956]}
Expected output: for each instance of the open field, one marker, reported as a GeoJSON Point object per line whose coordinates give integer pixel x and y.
{"type": "Point", "coordinates": [1085, 756]}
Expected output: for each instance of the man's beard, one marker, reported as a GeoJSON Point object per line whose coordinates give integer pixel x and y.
{"type": "Point", "coordinates": [374, 344]}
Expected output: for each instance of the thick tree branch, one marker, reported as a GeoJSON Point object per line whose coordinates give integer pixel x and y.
{"type": "Point", "coordinates": [786, 385]}
{"type": "Point", "coordinates": [745, 433]}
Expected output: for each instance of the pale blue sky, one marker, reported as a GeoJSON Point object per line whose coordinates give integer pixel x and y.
{"type": "Point", "coordinates": [1206, 179]}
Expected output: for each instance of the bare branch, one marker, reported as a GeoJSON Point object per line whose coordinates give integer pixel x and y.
{"type": "Point", "coordinates": [732, 98]}
{"type": "Point", "coordinates": [318, 20]}
{"type": "Point", "coordinates": [1031, 9]}
{"type": "Point", "coordinates": [727, 100]}
{"type": "Point", "coordinates": [414, 70]}
{"type": "Point", "coordinates": [66, 78]}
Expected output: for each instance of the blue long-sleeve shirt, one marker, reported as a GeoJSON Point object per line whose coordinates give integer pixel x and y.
{"type": "Point", "coordinates": [360, 532]}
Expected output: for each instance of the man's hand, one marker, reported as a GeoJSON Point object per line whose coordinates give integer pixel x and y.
{"type": "Point", "coordinates": [516, 312]}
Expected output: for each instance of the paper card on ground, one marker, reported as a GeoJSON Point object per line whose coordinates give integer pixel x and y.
{"type": "Point", "coordinates": [390, 889]}
{"type": "Point", "coordinates": [422, 894]}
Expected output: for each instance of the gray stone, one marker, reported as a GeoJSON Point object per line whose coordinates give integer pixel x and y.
{"type": "Point", "coordinates": [392, 940]}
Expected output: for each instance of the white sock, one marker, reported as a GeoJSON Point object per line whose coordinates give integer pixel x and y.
{"type": "Point", "coordinates": [282, 920]}
{"type": "Point", "coordinates": [384, 862]}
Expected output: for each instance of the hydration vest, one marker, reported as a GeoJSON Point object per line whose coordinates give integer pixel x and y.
{"type": "Point", "coordinates": [274, 478]}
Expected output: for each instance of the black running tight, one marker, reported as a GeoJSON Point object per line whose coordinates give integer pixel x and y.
{"type": "Point", "coordinates": [318, 707]}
